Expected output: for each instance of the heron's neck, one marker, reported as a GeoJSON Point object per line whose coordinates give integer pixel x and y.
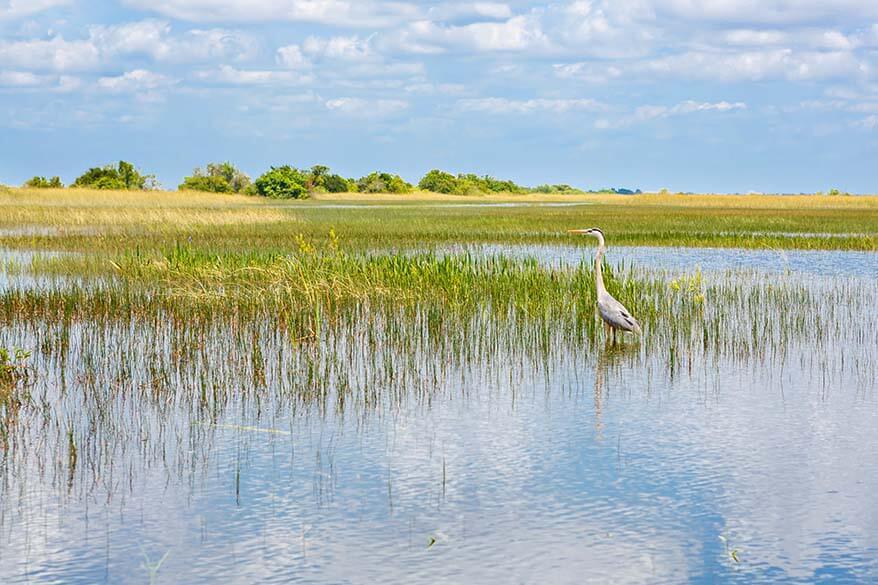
{"type": "Point", "coordinates": [598, 271]}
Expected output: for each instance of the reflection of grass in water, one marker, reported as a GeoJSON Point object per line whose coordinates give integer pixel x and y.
{"type": "Point", "coordinates": [149, 368]}
{"type": "Point", "coordinates": [15, 375]}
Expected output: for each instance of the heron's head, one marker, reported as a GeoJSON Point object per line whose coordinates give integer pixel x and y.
{"type": "Point", "coordinates": [596, 232]}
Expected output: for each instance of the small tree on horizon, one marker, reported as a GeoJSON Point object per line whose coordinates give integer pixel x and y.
{"type": "Point", "coordinates": [284, 182]}
{"type": "Point", "coordinates": [39, 182]}
{"type": "Point", "coordinates": [216, 178]}
{"type": "Point", "coordinates": [123, 176]}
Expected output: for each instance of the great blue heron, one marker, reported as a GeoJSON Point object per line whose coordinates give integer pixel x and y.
{"type": "Point", "coordinates": [614, 313]}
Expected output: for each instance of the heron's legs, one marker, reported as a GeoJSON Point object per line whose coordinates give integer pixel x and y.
{"type": "Point", "coordinates": [613, 329]}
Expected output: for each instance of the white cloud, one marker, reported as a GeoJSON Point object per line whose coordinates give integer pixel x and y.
{"type": "Point", "coordinates": [868, 123]}
{"type": "Point", "coordinates": [291, 57]}
{"type": "Point", "coordinates": [344, 57]}
{"type": "Point", "coordinates": [138, 80]}
{"type": "Point", "coordinates": [364, 108]}
{"type": "Point", "coordinates": [727, 66]}
{"type": "Point", "coordinates": [154, 39]}
{"type": "Point", "coordinates": [55, 54]}
{"type": "Point", "coordinates": [687, 107]}
{"type": "Point", "coordinates": [106, 44]}
{"type": "Point", "coordinates": [809, 39]}
{"type": "Point", "coordinates": [760, 11]}
{"type": "Point", "coordinates": [427, 88]}
{"type": "Point", "coordinates": [497, 105]}
{"type": "Point", "coordinates": [653, 112]}
{"type": "Point", "coordinates": [14, 9]}
{"type": "Point", "coordinates": [342, 48]}
{"type": "Point", "coordinates": [459, 10]}
{"type": "Point", "coordinates": [590, 72]}
{"type": "Point", "coordinates": [228, 75]}
{"type": "Point", "coordinates": [20, 79]}
{"type": "Point", "coordinates": [519, 33]}
{"type": "Point", "coordinates": [759, 65]}
{"type": "Point", "coordinates": [352, 13]}
{"type": "Point", "coordinates": [27, 79]}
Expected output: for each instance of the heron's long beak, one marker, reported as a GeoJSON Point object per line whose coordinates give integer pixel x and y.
{"type": "Point", "coordinates": [580, 231]}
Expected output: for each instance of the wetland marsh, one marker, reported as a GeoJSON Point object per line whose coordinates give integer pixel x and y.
{"type": "Point", "coordinates": [219, 389]}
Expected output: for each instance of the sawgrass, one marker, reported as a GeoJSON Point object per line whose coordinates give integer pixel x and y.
{"type": "Point", "coordinates": [113, 222]}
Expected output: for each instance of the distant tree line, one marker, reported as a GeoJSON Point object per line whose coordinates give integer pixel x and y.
{"type": "Point", "coordinates": [288, 182]}
{"type": "Point", "coordinates": [120, 177]}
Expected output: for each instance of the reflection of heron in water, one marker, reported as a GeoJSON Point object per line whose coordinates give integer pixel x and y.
{"type": "Point", "coordinates": [608, 357]}
{"type": "Point", "coordinates": [614, 313]}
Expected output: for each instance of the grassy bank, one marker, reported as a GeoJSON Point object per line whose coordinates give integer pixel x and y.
{"type": "Point", "coordinates": [112, 222]}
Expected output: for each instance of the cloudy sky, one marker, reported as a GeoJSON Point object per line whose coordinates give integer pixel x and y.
{"type": "Point", "coordinates": [725, 95]}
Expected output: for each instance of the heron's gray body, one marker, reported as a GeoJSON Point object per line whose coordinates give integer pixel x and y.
{"type": "Point", "coordinates": [615, 314]}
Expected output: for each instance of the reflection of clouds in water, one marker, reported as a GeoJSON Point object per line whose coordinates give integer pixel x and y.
{"type": "Point", "coordinates": [678, 259]}
{"type": "Point", "coordinates": [568, 467]}
{"type": "Point", "coordinates": [788, 475]}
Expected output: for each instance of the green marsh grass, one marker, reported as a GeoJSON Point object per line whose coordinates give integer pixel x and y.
{"type": "Point", "coordinates": [111, 222]}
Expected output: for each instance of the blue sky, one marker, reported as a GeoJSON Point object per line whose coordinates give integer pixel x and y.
{"type": "Point", "coordinates": [710, 95]}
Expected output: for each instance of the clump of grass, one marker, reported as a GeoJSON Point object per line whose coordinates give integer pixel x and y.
{"type": "Point", "coordinates": [14, 375]}
{"type": "Point", "coordinates": [13, 370]}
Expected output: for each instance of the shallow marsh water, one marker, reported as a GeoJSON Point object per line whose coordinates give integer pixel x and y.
{"type": "Point", "coordinates": [423, 447]}
{"type": "Point", "coordinates": [823, 263]}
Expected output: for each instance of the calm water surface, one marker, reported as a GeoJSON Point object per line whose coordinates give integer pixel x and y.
{"type": "Point", "coordinates": [824, 263]}
{"type": "Point", "coordinates": [391, 450]}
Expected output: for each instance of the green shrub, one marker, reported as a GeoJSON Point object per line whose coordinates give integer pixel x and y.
{"type": "Point", "coordinates": [205, 183]}
{"type": "Point", "coordinates": [466, 184]}
{"type": "Point", "coordinates": [44, 183]}
{"type": "Point", "coordinates": [320, 179]}
{"type": "Point", "coordinates": [124, 176]}
{"type": "Point", "coordinates": [559, 188]}
{"type": "Point", "coordinates": [336, 184]}
{"type": "Point", "coordinates": [439, 182]}
{"type": "Point", "coordinates": [217, 178]}
{"type": "Point", "coordinates": [383, 183]}
{"type": "Point", "coordinates": [283, 182]}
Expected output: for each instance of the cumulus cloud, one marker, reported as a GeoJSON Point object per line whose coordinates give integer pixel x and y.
{"type": "Point", "coordinates": [655, 112]}
{"type": "Point", "coordinates": [344, 57]}
{"type": "Point", "coordinates": [727, 66]}
{"type": "Point", "coordinates": [56, 54]}
{"type": "Point", "coordinates": [426, 88]}
{"type": "Point", "coordinates": [498, 105]}
{"type": "Point", "coordinates": [343, 48]}
{"type": "Point", "coordinates": [19, 79]}
{"type": "Point", "coordinates": [352, 13]}
{"type": "Point", "coordinates": [868, 123]}
{"type": "Point", "coordinates": [366, 108]}
{"type": "Point", "coordinates": [291, 57]}
{"type": "Point", "coordinates": [228, 75]}
{"type": "Point", "coordinates": [15, 9]}
{"type": "Point", "coordinates": [27, 79]}
{"type": "Point", "coordinates": [154, 38]}
{"type": "Point", "coordinates": [470, 10]}
{"type": "Point", "coordinates": [759, 11]}
{"type": "Point", "coordinates": [150, 38]}
{"type": "Point", "coordinates": [138, 80]}
{"type": "Point", "coordinates": [519, 33]}
{"type": "Point", "coordinates": [759, 65]}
